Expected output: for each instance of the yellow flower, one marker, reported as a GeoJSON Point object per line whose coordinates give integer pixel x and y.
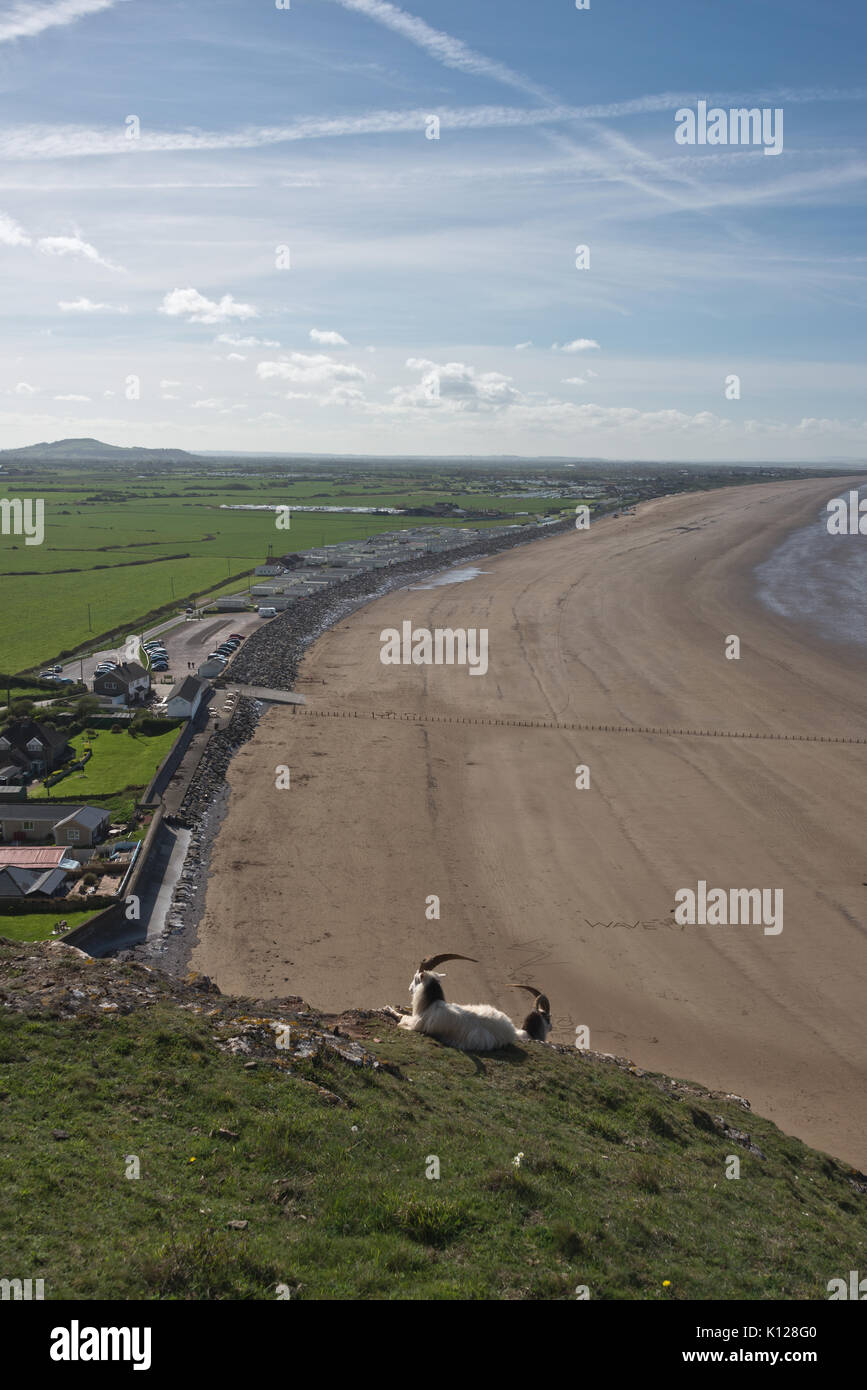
{"type": "Point", "coordinates": [192, 1160]}
{"type": "Point", "coordinates": [666, 1283]}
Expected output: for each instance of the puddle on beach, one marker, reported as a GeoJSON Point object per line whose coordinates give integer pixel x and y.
{"type": "Point", "coordinates": [452, 577]}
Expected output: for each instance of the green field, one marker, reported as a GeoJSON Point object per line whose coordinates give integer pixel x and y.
{"type": "Point", "coordinates": [622, 1185]}
{"type": "Point", "coordinates": [117, 548]}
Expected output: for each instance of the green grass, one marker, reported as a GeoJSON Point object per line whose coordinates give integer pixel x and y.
{"type": "Point", "coordinates": [622, 1186]}
{"type": "Point", "coordinates": [88, 577]}
{"type": "Point", "coordinates": [36, 926]}
{"type": "Point", "coordinates": [118, 763]}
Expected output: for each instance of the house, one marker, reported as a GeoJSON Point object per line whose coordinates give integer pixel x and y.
{"type": "Point", "coordinates": [30, 749]}
{"type": "Point", "coordinates": [35, 857]}
{"type": "Point", "coordinates": [127, 684]}
{"type": "Point", "coordinates": [185, 698]}
{"type": "Point", "coordinates": [64, 822]}
{"type": "Point", "coordinates": [31, 883]}
{"type": "Point", "coordinates": [271, 568]}
{"type": "Point", "coordinates": [85, 825]}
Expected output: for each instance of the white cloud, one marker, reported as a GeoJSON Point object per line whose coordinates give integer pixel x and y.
{"type": "Point", "coordinates": [87, 306]}
{"type": "Point", "coordinates": [327, 338]}
{"type": "Point", "coordinates": [211, 404]}
{"type": "Point", "coordinates": [72, 398]}
{"type": "Point", "coordinates": [233, 340]}
{"type": "Point", "coordinates": [25, 21]}
{"type": "Point", "coordinates": [236, 356]}
{"type": "Point", "coordinates": [576, 345]}
{"type": "Point", "coordinates": [521, 347]}
{"type": "Point", "coordinates": [168, 385]}
{"type": "Point", "coordinates": [195, 308]}
{"type": "Point", "coordinates": [455, 387]}
{"type": "Point", "coordinates": [25, 389]}
{"type": "Point", "coordinates": [12, 233]}
{"type": "Point", "coordinates": [314, 369]}
{"type": "Point", "coordinates": [575, 380]}
{"type": "Point", "coordinates": [73, 246]}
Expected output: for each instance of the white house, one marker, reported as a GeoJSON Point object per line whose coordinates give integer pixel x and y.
{"type": "Point", "coordinates": [185, 698]}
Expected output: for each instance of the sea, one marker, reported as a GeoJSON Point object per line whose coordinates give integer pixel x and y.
{"type": "Point", "coordinates": [819, 579]}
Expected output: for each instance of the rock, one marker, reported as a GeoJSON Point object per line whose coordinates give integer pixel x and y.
{"type": "Point", "coordinates": [60, 1134]}
{"type": "Point", "coordinates": [237, 1225]}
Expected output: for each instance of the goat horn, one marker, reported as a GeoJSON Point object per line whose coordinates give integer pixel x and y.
{"type": "Point", "coordinates": [433, 961]}
{"type": "Point", "coordinates": [542, 1002]}
{"type": "Point", "coordinates": [530, 988]}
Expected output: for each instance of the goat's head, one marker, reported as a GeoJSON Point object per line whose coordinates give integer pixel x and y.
{"type": "Point", "coordinates": [428, 967]}
{"type": "Point", "coordinates": [538, 1021]}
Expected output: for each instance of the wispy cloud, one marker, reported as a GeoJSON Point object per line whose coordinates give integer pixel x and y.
{"type": "Point", "coordinates": [197, 308]}
{"type": "Point", "coordinates": [327, 338]}
{"type": "Point", "coordinates": [88, 306]}
{"type": "Point", "coordinates": [452, 52]}
{"type": "Point", "coordinates": [26, 21]}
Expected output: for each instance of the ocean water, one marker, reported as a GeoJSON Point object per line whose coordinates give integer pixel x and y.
{"type": "Point", "coordinates": [458, 576]}
{"type": "Point", "coordinates": [820, 579]}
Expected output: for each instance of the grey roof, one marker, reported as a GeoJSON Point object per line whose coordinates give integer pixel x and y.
{"type": "Point", "coordinates": [18, 882]}
{"type": "Point", "coordinates": [187, 689]}
{"type": "Point", "coordinates": [127, 671]}
{"type": "Point", "coordinates": [52, 811]}
{"type": "Point", "coordinates": [85, 815]}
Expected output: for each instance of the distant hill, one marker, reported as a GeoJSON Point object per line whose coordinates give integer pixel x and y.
{"type": "Point", "coordinates": [92, 451]}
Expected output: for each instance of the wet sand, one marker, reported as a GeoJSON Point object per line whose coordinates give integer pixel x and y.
{"type": "Point", "coordinates": [321, 889]}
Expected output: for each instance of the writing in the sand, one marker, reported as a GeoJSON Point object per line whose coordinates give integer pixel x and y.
{"type": "Point", "coordinates": [655, 924]}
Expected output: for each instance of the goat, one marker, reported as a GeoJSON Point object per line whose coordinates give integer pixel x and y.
{"type": "Point", "coordinates": [471, 1027]}
{"type": "Point", "coordinates": [537, 1025]}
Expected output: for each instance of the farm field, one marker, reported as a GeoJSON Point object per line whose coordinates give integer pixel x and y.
{"type": "Point", "coordinates": [116, 549]}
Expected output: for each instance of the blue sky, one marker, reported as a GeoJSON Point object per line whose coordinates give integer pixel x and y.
{"type": "Point", "coordinates": [431, 302]}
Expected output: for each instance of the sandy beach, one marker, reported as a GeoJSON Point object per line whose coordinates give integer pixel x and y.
{"type": "Point", "coordinates": [321, 889]}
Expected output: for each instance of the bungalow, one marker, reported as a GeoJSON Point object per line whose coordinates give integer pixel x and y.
{"type": "Point", "coordinates": [185, 698]}
{"type": "Point", "coordinates": [30, 749]}
{"type": "Point", "coordinates": [126, 684]}
{"type": "Point", "coordinates": [16, 882]}
{"type": "Point", "coordinates": [64, 822]}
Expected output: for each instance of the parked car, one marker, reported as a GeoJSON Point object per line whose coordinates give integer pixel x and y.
{"type": "Point", "coordinates": [236, 636]}
{"type": "Point", "coordinates": [160, 666]}
{"type": "Point", "coordinates": [58, 670]}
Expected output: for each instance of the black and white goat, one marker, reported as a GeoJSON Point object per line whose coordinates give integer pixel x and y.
{"type": "Point", "coordinates": [537, 1025]}
{"type": "Point", "coordinates": [471, 1027]}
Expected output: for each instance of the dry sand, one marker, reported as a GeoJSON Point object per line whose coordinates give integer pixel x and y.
{"type": "Point", "coordinates": [321, 889]}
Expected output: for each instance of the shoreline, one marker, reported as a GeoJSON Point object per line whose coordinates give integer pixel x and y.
{"type": "Point", "coordinates": [538, 885]}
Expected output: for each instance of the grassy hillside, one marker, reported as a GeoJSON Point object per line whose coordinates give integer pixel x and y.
{"type": "Point", "coordinates": [323, 1160]}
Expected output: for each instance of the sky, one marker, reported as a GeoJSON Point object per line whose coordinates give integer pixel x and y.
{"type": "Point", "coordinates": [351, 226]}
